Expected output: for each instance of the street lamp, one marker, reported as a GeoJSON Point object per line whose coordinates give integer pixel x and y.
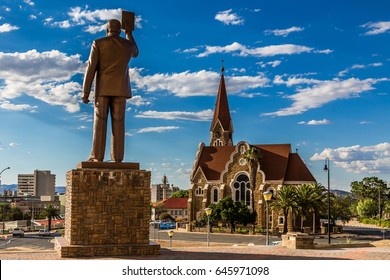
{"type": "Point", "coordinates": [327, 169]}
{"type": "Point", "coordinates": [208, 213]}
{"type": "Point", "coordinates": [267, 197]}
{"type": "Point", "coordinates": [170, 234]}
{"type": "Point", "coordinates": [4, 198]}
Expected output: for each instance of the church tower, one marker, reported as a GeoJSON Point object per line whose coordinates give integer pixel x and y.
{"type": "Point", "coordinates": [221, 130]}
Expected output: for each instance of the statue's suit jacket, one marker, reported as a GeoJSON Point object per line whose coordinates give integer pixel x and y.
{"type": "Point", "coordinates": [109, 59]}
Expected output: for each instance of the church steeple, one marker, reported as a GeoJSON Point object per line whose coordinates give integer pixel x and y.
{"type": "Point", "coordinates": [221, 130]}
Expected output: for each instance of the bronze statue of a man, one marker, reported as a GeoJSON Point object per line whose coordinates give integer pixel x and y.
{"type": "Point", "coordinates": [109, 60]}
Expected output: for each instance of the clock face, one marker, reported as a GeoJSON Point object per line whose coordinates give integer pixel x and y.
{"type": "Point", "coordinates": [217, 134]}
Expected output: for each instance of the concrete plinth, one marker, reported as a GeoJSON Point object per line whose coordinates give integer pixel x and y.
{"type": "Point", "coordinates": [107, 213]}
{"type": "Point", "coordinates": [296, 240]}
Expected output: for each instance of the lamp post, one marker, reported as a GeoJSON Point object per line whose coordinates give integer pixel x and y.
{"type": "Point", "coordinates": [208, 213]}
{"type": "Point", "coordinates": [4, 198]}
{"type": "Point", "coordinates": [327, 169]}
{"type": "Point", "coordinates": [267, 197]}
{"type": "Point", "coordinates": [170, 234]}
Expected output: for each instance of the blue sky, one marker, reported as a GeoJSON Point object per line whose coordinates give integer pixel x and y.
{"type": "Point", "coordinates": [311, 73]}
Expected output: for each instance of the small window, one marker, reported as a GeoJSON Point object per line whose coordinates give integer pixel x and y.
{"type": "Point", "coordinates": [199, 191]}
{"type": "Point", "coordinates": [218, 142]}
{"type": "Point", "coordinates": [281, 220]}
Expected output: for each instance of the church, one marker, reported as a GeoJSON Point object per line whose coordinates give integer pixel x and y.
{"type": "Point", "coordinates": [220, 169]}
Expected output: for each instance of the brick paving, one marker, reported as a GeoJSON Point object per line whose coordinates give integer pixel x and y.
{"type": "Point", "coordinates": [226, 253]}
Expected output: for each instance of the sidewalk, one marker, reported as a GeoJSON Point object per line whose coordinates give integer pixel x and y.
{"type": "Point", "coordinates": [224, 252]}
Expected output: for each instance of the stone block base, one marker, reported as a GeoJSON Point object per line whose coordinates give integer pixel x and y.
{"type": "Point", "coordinates": [107, 211]}
{"type": "Point", "coordinates": [65, 250]}
{"type": "Point", "coordinates": [295, 240]}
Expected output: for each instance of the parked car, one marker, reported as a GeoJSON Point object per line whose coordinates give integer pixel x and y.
{"type": "Point", "coordinates": [167, 225]}
{"type": "Point", "coordinates": [44, 232]}
{"type": "Point", "coordinates": [18, 232]}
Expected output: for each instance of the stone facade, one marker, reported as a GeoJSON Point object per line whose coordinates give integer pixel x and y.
{"type": "Point", "coordinates": [107, 213]}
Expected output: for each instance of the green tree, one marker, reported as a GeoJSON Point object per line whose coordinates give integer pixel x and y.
{"type": "Point", "coordinates": [14, 214]}
{"type": "Point", "coordinates": [166, 216]}
{"type": "Point", "coordinates": [4, 208]}
{"type": "Point", "coordinates": [366, 208]}
{"type": "Point", "coordinates": [340, 209]}
{"type": "Point", "coordinates": [214, 217]}
{"type": "Point", "coordinates": [286, 202]}
{"type": "Point", "coordinates": [50, 213]}
{"type": "Point", "coordinates": [373, 188]}
{"type": "Point", "coordinates": [307, 200]}
{"type": "Point", "coordinates": [181, 194]}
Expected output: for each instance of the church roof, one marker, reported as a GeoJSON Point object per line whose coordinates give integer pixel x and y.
{"type": "Point", "coordinates": [222, 111]}
{"type": "Point", "coordinates": [278, 163]}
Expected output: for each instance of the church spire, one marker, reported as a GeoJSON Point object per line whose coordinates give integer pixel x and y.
{"type": "Point", "coordinates": [221, 130]}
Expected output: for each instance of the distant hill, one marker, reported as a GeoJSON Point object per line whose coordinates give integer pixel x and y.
{"type": "Point", "coordinates": [60, 189]}
{"type": "Point", "coordinates": [14, 187]}
{"type": "Point", "coordinates": [341, 193]}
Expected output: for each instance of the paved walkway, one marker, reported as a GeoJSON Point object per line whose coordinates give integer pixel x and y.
{"type": "Point", "coordinates": [228, 253]}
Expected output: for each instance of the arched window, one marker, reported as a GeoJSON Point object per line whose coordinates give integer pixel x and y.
{"type": "Point", "coordinates": [218, 143]}
{"type": "Point", "coordinates": [241, 189]}
{"type": "Point", "coordinates": [214, 195]}
{"type": "Point", "coordinates": [199, 191]}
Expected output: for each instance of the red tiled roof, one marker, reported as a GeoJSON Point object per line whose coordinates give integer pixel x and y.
{"type": "Point", "coordinates": [175, 203]}
{"type": "Point", "coordinates": [297, 170]}
{"type": "Point", "coordinates": [278, 164]}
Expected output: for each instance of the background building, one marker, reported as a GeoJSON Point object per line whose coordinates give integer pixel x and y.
{"type": "Point", "coordinates": [39, 184]}
{"type": "Point", "coordinates": [162, 191]}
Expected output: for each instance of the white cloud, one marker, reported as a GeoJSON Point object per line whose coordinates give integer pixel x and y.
{"type": "Point", "coordinates": [284, 32]}
{"type": "Point", "coordinates": [6, 27]}
{"type": "Point", "coordinates": [272, 50]}
{"type": "Point", "coordinates": [7, 105]}
{"type": "Point", "coordinates": [43, 75]}
{"type": "Point", "coordinates": [158, 129]}
{"type": "Point", "coordinates": [273, 64]}
{"type": "Point", "coordinates": [138, 100]}
{"type": "Point", "coordinates": [13, 145]}
{"type": "Point", "coordinates": [184, 171]}
{"type": "Point", "coordinates": [294, 80]}
{"type": "Point", "coordinates": [202, 83]}
{"type": "Point", "coordinates": [359, 159]}
{"type": "Point", "coordinates": [375, 28]}
{"type": "Point", "coordinates": [29, 2]}
{"type": "Point", "coordinates": [315, 122]}
{"type": "Point", "coordinates": [205, 115]}
{"type": "Point", "coordinates": [324, 92]}
{"type": "Point", "coordinates": [229, 18]}
{"type": "Point", "coordinates": [96, 20]}
{"type": "Point", "coordinates": [359, 66]}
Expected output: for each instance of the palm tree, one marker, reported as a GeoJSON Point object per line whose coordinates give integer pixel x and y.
{"type": "Point", "coordinates": [286, 202]}
{"type": "Point", "coordinates": [253, 157]}
{"type": "Point", "coordinates": [50, 212]}
{"type": "Point", "coordinates": [309, 199]}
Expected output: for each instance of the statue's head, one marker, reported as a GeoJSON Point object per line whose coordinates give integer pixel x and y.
{"type": "Point", "coordinates": [113, 27]}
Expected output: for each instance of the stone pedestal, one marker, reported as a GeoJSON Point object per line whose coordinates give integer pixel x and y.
{"type": "Point", "coordinates": [107, 211]}
{"type": "Point", "coordinates": [296, 240]}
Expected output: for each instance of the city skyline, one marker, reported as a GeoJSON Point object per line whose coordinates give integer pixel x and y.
{"type": "Point", "coordinates": [315, 75]}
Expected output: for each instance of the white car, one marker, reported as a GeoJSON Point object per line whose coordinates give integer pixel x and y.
{"type": "Point", "coordinates": [18, 232]}
{"type": "Point", "coordinates": [44, 232]}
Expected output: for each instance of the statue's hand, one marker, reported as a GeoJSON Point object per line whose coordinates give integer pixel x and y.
{"type": "Point", "coordinates": [85, 100]}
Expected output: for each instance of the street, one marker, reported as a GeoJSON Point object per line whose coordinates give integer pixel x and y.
{"type": "Point", "coordinates": [30, 240]}
{"type": "Point", "coordinates": [350, 234]}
